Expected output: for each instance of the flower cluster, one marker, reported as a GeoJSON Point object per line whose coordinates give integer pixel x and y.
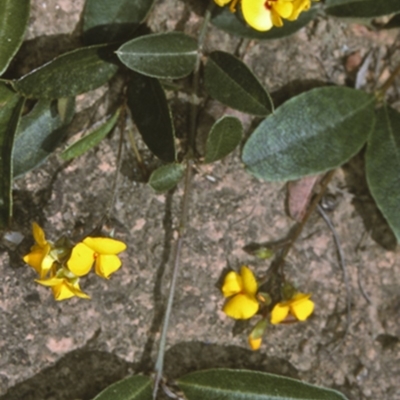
{"type": "Point", "coordinates": [243, 302]}
{"type": "Point", "coordinates": [60, 265]}
{"type": "Point", "coordinates": [262, 15]}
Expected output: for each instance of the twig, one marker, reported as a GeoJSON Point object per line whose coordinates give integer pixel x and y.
{"type": "Point", "coordinates": [285, 251]}
{"type": "Point", "coordinates": [139, 158]}
{"type": "Point", "coordinates": [380, 93]}
{"type": "Point", "coordinates": [181, 234]}
{"type": "Point", "coordinates": [342, 264]}
{"type": "Point", "coordinates": [185, 202]}
{"type": "Point", "coordinates": [196, 78]}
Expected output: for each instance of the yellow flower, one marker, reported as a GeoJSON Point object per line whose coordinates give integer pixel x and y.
{"type": "Point", "coordinates": [255, 344]}
{"type": "Point", "coordinates": [262, 15]}
{"type": "Point", "coordinates": [242, 289]}
{"type": "Point", "coordinates": [101, 251]}
{"type": "Point", "coordinates": [40, 258]}
{"type": "Point", "coordinates": [63, 287]}
{"type": "Point", "coordinates": [300, 306]}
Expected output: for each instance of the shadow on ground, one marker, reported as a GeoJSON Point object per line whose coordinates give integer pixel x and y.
{"type": "Point", "coordinates": [83, 373]}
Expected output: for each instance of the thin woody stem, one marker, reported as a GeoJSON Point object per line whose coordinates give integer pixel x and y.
{"type": "Point", "coordinates": [185, 203]}
{"type": "Point", "coordinates": [196, 78]}
{"type": "Point", "coordinates": [181, 234]}
{"type": "Point", "coordinates": [380, 93]}
{"type": "Point", "coordinates": [285, 251]}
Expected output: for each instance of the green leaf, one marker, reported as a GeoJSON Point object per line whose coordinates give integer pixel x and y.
{"type": "Point", "coordinates": [230, 22]}
{"type": "Point", "coordinates": [166, 177]}
{"type": "Point", "coordinates": [133, 388]}
{"type": "Point", "coordinates": [14, 17]}
{"type": "Point", "coordinates": [383, 165]}
{"type": "Point", "coordinates": [163, 55]}
{"type": "Point", "coordinates": [361, 8]}
{"type": "Point", "coordinates": [224, 137]}
{"type": "Point", "coordinates": [90, 140]}
{"type": "Point", "coordinates": [218, 384]}
{"type": "Point", "coordinates": [70, 74]}
{"type": "Point", "coordinates": [106, 21]}
{"type": "Point", "coordinates": [40, 132]}
{"type": "Point", "coordinates": [10, 111]}
{"type": "Point", "coordinates": [312, 133]}
{"type": "Point", "coordinates": [151, 114]}
{"type": "Point", "coordinates": [231, 82]}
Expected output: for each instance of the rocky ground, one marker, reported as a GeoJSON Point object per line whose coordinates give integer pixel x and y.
{"type": "Point", "coordinates": [73, 349]}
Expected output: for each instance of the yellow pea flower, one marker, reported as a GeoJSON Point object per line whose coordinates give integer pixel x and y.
{"type": "Point", "coordinates": [101, 251]}
{"type": "Point", "coordinates": [242, 289]}
{"type": "Point", "coordinates": [262, 15]}
{"type": "Point", "coordinates": [63, 287]}
{"type": "Point", "coordinates": [300, 306]}
{"type": "Point", "coordinates": [40, 257]}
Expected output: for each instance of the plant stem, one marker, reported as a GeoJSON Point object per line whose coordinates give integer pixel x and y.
{"type": "Point", "coordinates": [292, 239]}
{"type": "Point", "coordinates": [196, 78]}
{"type": "Point", "coordinates": [380, 93]}
{"type": "Point", "coordinates": [185, 202]}
{"type": "Point", "coordinates": [177, 253]}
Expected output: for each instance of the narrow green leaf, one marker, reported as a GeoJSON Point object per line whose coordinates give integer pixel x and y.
{"type": "Point", "coordinates": [10, 111]}
{"type": "Point", "coordinates": [232, 23]}
{"type": "Point", "coordinates": [361, 8]}
{"type": "Point", "coordinates": [224, 137]}
{"type": "Point", "coordinates": [135, 387]}
{"type": "Point", "coordinates": [14, 17]}
{"type": "Point", "coordinates": [312, 133]}
{"type": "Point", "coordinates": [106, 21]}
{"type": "Point", "coordinates": [151, 114]}
{"type": "Point", "coordinates": [40, 132]}
{"type": "Point", "coordinates": [218, 384]}
{"type": "Point", "coordinates": [383, 165]}
{"type": "Point", "coordinates": [90, 140]}
{"type": "Point", "coordinates": [163, 55]}
{"type": "Point", "coordinates": [166, 177]}
{"type": "Point", "coordinates": [72, 73]}
{"type": "Point", "coordinates": [231, 82]}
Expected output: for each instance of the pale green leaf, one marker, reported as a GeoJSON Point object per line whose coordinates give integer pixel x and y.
{"type": "Point", "coordinates": [10, 112]}
{"type": "Point", "coordinates": [162, 55]}
{"type": "Point", "coordinates": [106, 21]}
{"type": "Point", "coordinates": [224, 137]}
{"type": "Point", "coordinates": [166, 177]}
{"type": "Point", "coordinates": [70, 74]}
{"type": "Point", "coordinates": [90, 140]}
{"type": "Point", "coordinates": [14, 15]}
{"type": "Point", "coordinates": [361, 8]}
{"type": "Point", "coordinates": [40, 132]}
{"type": "Point", "coordinates": [383, 165]}
{"type": "Point", "coordinates": [312, 133]}
{"type": "Point", "coordinates": [135, 387]}
{"type": "Point", "coordinates": [227, 384]}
